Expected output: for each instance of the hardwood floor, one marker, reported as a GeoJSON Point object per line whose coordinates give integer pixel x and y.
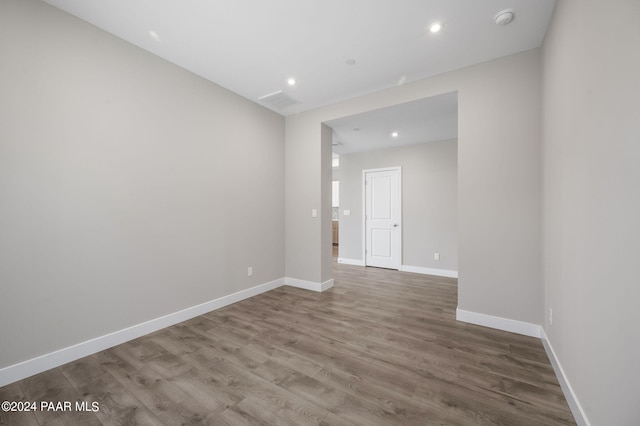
{"type": "Point", "coordinates": [380, 348]}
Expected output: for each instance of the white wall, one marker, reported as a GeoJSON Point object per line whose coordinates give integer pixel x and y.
{"type": "Point", "coordinates": [591, 137]}
{"type": "Point", "coordinates": [129, 187]}
{"type": "Point", "coordinates": [326, 244]}
{"type": "Point", "coordinates": [429, 202]}
{"type": "Point", "coordinates": [499, 182]}
{"type": "Point", "coordinates": [335, 174]}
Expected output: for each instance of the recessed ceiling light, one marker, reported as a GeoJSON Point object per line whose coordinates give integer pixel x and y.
{"type": "Point", "coordinates": [394, 134]}
{"type": "Point", "coordinates": [436, 27]}
{"type": "Point", "coordinates": [291, 81]}
{"type": "Point", "coordinates": [504, 17]}
{"type": "Point", "coordinates": [154, 35]}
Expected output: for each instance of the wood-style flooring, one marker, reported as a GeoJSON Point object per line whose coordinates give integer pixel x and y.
{"type": "Point", "coordinates": [380, 348]}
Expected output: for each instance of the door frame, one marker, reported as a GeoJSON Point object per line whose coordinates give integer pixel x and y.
{"type": "Point", "coordinates": [364, 212]}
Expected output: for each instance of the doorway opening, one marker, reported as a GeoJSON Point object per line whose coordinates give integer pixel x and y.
{"type": "Point", "coordinates": [420, 139]}
{"type": "Point", "coordinates": [382, 221]}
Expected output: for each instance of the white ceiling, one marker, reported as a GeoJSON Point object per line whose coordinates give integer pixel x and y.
{"type": "Point", "coordinates": [426, 120]}
{"type": "Point", "coordinates": [252, 47]}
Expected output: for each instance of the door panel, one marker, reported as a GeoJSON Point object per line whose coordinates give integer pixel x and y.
{"type": "Point", "coordinates": [382, 218]}
{"type": "Point", "coordinates": [381, 198]}
{"type": "Point", "coordinates": [381, 243]}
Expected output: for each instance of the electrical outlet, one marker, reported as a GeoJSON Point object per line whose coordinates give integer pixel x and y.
{"type": "Point", "coordinates": [250, 271]}
{"type": "Point", "coordinates": [550, 316]}
{"type": "Point", "coordinates": [436, 256]}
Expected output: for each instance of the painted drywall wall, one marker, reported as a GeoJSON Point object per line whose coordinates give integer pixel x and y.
{"type": "Point", "coordinates": [335, 174]}
{"type": "Point", "coordinates": [303, 194]}
{"type": "Point", "coordinates": [499, 182]}
{"type": "Point", "coordinates": [429, 202]}
{"type": "Point", "coordinates": [129, 187]}
{"type": "Point", "coordinates": [326, 271]}
{"type": "Point", "coordinates": [591, 145]}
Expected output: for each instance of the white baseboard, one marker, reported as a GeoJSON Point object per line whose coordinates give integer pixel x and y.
{"type": "Point", "coordinates": [355, 262]}
{"type": "Point", "coordinates": [326, 285]}
{"type": "Point", "coordinates": [532, 330]}
{"type": "Point", "coordinates": [57, 358]}
{"type": "Point", "coordinates": [576, 409]}
{"type": "Point", "coordinates": [429, 271]}
{"type": "Point", "coordinates": [407, 268]}
{"type": "Point", "coordinates": [309, 285]}
{"type": "Point", "coordinates": [504, 324]}
{"type": "Point", "coordinates": [51, 360]}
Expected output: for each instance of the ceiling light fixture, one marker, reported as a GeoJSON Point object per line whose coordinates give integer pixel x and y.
{"type": "Point", "coordinates": [291, 81]}
{"type": "Point", "coordinates": [394, 134]}
{"type": "Point", "coordinates": [436, 27]}
{"type": "Point", "coordinates": [504, 17]}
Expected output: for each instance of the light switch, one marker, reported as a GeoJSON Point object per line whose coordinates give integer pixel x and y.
{"type": "Point", "coordinates": [346, 212]}
{"type": "Point", "coordinates": [314, 212]}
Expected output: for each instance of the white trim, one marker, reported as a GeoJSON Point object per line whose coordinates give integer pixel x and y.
{"type": "Point", "coordinates": [326, 285]}
{"type": "Point", "coordinates": [429, 271]}
{"type": "Point", "coordinates": [57, 358]}
{"type": "Point", "coordinates": [356, 262]}
{"type": "Point", "coordinates": [533, 330]}
{"type": "Point", "coordinates": [499, 323]}
{"type": "Point", "coordinates": [309, 285]}
{"type": "Point", "coordinates": [28, 368]}
{"type": "Point", "coordinates": [576, 409]}
{"type": "Point", "coordinates": [364, 218]}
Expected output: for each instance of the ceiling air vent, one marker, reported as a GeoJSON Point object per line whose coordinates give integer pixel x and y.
{"type": "Point", "coordinates": [278, 100]}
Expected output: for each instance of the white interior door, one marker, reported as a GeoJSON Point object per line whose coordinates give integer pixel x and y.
{"type": "Point", "coordinates": [382, 227]}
